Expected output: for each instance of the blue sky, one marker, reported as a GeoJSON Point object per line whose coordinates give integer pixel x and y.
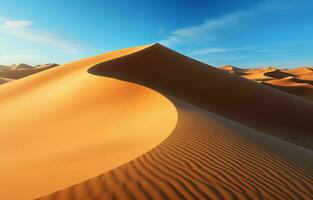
{"type": "Point", "coordinates": [243, 33]}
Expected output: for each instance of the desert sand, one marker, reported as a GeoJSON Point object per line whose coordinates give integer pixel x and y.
{"type": "Point", "coordinates": [296, 81]}
{"type": "Point", "coordinates": [10, 73]}
{"type": "Point", "coordinates": [73, 131]}
{"type": "Point", "coordinates": [64, 125]}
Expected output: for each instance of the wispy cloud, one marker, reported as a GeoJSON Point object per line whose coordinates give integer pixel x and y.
{"type": "Point", "coordinates": [210, 50]}
{"type": "Point", "coordinates": [261, 49]}
{"type": "Point", "coordinates": [205, 31]}
{"type": "Point", "coordinates": [23, 30]}
{"type": "Point", "coordinates": [213, 29]}
{"type": "Point", "coordinates": [17, 24]}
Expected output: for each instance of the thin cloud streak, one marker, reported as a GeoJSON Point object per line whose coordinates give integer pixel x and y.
{"type": "Point", "coordinates": [211, 29]}
{"type": "Point", "coordinates": [22, 29]}
{"type": "Point", "coordinates": [211, 50]}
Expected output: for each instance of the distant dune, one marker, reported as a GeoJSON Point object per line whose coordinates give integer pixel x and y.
{"type": "Point", "coordinates": [10, 73]}
{"type": "Point", "coordinates": [296, 81]}
{"type": "Point", "coordinates": [85, 130]}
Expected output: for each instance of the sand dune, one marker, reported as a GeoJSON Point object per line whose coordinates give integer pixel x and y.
{"type": "Point", "coordinates": [5, 80]}
{"type": "Point", "coordinates": [299, 71]}
{"type": "Point", "coordinates": [265, 74]}
{"type": "Point", "coordinates": [3, 67]}
{"type": "Point", "coordinates": [20, 66]}
{"type": "Point", "coordinates": [297, 81]}
{"type": "Point", "coordinates": [277, 74]}
{"type": "Point", "coordinates": [296, 86]}
{"type": "Point", "coordinates": [225, 132]}
{"type": "Point", "coordinates": [64, 125]}
{"type": "Point", "coordinates": [258, 77]}
{"type": "Point", "coordinates": [257, 106]}
{"type": "Point", "coordinates": [14, 72]}
{"type": "Point", "coordinates": [307, 76]}
{"type": "Point", "coordinates": [207, 156]}
{"type": "Point", "coordinates": [234, 70]}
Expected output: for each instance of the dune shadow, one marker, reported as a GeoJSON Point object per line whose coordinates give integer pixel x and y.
{"type": "Point", "coordinates": [172, 74]}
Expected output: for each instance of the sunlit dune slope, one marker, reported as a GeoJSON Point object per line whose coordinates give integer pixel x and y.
{"type": "Point", "coordinates": [234, 70]}
{"type": "Point", "coordinates": [207, 156]}
{"type": "Point", "coordinates": [247, 102]}
{"type": "Point", "coordinates": [300, 71]}
{"type": "Point", "coordinates": [65, 125]}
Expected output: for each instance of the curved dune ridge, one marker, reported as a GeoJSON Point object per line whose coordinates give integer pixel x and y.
{"type": "Point", "coordinates": [225, 144]}
{"type": "Point", "coordinates": [247, 102]}
{"type": "Point", "coordinates": [64, 125]}
{"type": "Point", "coordinates": [207, 156]}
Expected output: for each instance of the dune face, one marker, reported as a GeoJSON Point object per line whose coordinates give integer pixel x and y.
{"type": "Point", "coordinates": [14, 72]}
{"type": "Point", "coordinates": [244, 101]}
{"type": "Point", "coordinates": [297, 81]}
{"type": "Point", "coordinates": [206, 156]}
{"type": "Point", "coordinates": [301, 71]}
{"type": "Point", "coordinates": [64, 125]}
{"type": "Point", "coordinates": [20, 66]}
{"type": "Point", "coordinates": [234, 70]}
{"type": "Point", "coordinates": [224, 132]}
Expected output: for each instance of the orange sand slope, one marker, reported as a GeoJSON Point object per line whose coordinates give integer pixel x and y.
{"type": "Point", "coordinates": [297, 81]}
{"type": "Point", "coordinates": [225, 144]}
{"type": "Point", "coordinates": [64, 125]}
{"type": "Point", "coordinates": [14, 72]}
{"type": "Point", "coordinates": [208, 156]}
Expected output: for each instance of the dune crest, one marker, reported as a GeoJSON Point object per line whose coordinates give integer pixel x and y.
{"type": "Point", "coordinates": [227, 142]}
{"type": "Point", "coordinates": [207, 156]}
{"type": "Point", "coordinates": [64, 125]}
{"type": "Point", "coordinates": [255, 105]}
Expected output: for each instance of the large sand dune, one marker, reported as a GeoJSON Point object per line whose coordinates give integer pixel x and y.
{"type": "Point", "coordinates": [233, 97]}
{"type": "Point", "coordinates": [65, 125]}
{"type": "Point", "coordinates": [81, 119]}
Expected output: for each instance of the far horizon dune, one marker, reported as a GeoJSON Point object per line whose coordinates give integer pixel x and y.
{"type": "Point", "coordinates": [149, 123]}
{"type": "Point", "coordinates": [17, 71]}
{"type": "Point", "coordinates": [296, 81]}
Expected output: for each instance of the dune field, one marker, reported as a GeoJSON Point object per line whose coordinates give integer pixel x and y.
{"type": "Point", "coordinates": [149, 123]}
{"type": "Point", "coordinates": [296, 81]}
{"type": "Point", "coordinates": [17, 71]}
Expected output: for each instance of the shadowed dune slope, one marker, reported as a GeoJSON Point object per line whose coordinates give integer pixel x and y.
{"type": "Point", "coordinates": [206, 157]}
{"type": "Point", "coordinates": [64, 125]}
{"type": "Point", "coordinates": [220, 92]}
{"type": "Point", "coordinates": [277, 74]}
{"type": "Point", "coordinates": [296, 86]}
